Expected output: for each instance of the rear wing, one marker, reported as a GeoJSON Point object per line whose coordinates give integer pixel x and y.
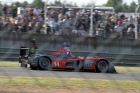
{"type": "Point", "coordinates": [23, 51]}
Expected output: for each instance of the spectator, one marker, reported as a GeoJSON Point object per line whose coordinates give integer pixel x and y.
{"type": "Point", "coordinates": [75, 32]}
{"type": "Point", "coordinates": [69, 21]}
{"type": "Point", "coordinates": [61, 28]}
{"type": "Point", "coordinates": [37, 11]}
{"type": "Point", "coordinates": [64, 10]}
{"type": "Point", "coordinates": [24, 10]}
{"type": "Point", "coordinates": [96, 16]}
{"type": "Point", "coordinates": [53, 25]}
{"type": "Point", "coordinates": [68, 32]}
{"type": "Point", "coordinates": [101, 28]}
{"type": "Point", "coordinates": [42, 13]}
{"type": "Point", "coordinates": [5, 10]}
{"type": "Point", "coordinates": [60, 16]}
{"type": "Point", "coordinates": [122, 16]}
{"type": "Point", "coordinates": [7, 24]}
{"type": "Point", "coordinates": [119, 30]}
{"type": "Point", "coordinates": [82, 32]}
{"type": "Point", "coordinates": [66, 22]}
{"type": "Point", "coordinates": [78, 24]}
{"type": "Point", "coordinates": [131, 20]}
{"type": "Point", "coordinates": [30, 12]}
{"type": "Point", "coordinates": [14, 12]}
{"type": "Point", "coordinates": [113, 19]}
{"type": "Point", "coordinates": [25, 23]}
{"type": "Point", "coordinates": [83, 20]}
{"type": "Point", "coordinates": [1, 24]}
{"type": "Point", "coordinates": [38, 27]}
{"type": "Point", "coordinates": [107, 29]}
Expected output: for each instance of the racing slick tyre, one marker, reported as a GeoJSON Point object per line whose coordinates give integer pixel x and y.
{"type": "Point", "coordinates": [102, 66]}
{"type": "Point", "coordinates": [44, 63]}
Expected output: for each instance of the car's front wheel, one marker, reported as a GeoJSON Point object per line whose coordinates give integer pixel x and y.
{"type": "Point", "coordinates": [44, 63]}
{"type": "Point", "coordinates": [102, 66]}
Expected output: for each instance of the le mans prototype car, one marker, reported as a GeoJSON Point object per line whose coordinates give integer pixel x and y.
{"type": "Point", "coordinates": [65, 60]}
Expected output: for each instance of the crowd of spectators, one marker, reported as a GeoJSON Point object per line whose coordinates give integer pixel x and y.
{"type": "Point", "coordinates": [64, 21]}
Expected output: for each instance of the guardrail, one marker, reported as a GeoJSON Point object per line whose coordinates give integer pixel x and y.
{"type": "Point", "coordinates": [11, 54]}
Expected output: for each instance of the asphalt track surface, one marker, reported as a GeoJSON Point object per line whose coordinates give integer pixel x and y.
{"type": "Point", "coordinates": [25, 72]}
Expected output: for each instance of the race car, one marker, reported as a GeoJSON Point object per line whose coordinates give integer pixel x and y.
{"type": "Point", "coordinates": [66, 60]}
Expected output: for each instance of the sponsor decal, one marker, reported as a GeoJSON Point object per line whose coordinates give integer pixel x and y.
{"type": "Point", "coordinates": [88, 63]}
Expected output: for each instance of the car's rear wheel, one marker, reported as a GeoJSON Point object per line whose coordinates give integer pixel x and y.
{"type": "Point", "coordinates": [102, 66]}
{"type": "Point", "coordinates": [44, 63]}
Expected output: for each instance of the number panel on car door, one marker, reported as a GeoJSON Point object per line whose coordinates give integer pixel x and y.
{"type": "Point", "coordinates": [58, 63]}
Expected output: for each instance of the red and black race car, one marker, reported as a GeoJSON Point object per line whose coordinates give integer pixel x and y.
{"type": "Point", "coordinates": [65, 60]}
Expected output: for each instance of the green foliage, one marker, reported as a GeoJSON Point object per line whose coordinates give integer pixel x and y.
{"type": "Point", "coordinates": [138, 1]}
{"type": "Point", "coordinates": [17, 3]}
{"type": "Point", "coordinates": [38, 3]}
{"type": "Point", "coordinates": [88, 5]}
{"type": "Point", "coordinates": [114, 3]}
{"type": "Point", "coordinates": [132, 7]}
{"type": "Point", "coordinates": [25, 3]}
{"type": "Point", "coordinates": [59, 3]}
{"type": "Point", "coordinates": [117, 4]}
{"type": "Point", "coordinates": [125, 7]}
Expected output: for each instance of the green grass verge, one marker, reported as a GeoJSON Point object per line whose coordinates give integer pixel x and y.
{"type": "Point", "coordinates": [8, 64]}
{"type": "Point", "coordinates": [69, 83]}
{"type": "Point", "coordinates": [127, 69]}
{"type": "Point", "coordinates": [118, 68]}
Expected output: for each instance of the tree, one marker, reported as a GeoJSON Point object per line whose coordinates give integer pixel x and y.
{"type": "Point", "coordinates": [138, 1]}
{"type": "Point", "coordinates": [132, 7]}
{"type": "Point", "coordinates": [125, 7]}
{"type": "Point", "coordinates": [18, 4]}
{"type": "Point", "coordinates": [38, 3]}
{"type": "Point", "coordinates": [88, 5]}
{"type": "Point", "coordinates": [25, 3]}
{"type": "Point", "coordinates": [117, 4]}
{"type": "Point", "coordinates": [59, 3]}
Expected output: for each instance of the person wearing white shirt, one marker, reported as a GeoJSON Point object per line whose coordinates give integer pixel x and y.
{"type": "Point", "coordinates": [37, 12]}
{"type": "Point", "coordinates": [75, 31]}
{"type": "Point", "coordinates": [82, 32]}
{"type": "Point", "coordinates": [53, 25]}
{"type": "Point", "coordinates": [119, 30]}
{"type": "Point", "coordinates": [131, 20]}
{"type": "Point", "coordinates": [66, 22]}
